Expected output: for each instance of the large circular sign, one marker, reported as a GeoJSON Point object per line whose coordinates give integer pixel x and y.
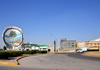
{"type": "Point", "coordinates": [13, 36]}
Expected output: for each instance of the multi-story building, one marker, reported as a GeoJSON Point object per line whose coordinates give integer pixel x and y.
{"type": "Point", "coordinates": [79, 44]}
{"type": "Point", "coordinates": [92, 44]}
{"type": "Point", "coordinates": [67, 44]}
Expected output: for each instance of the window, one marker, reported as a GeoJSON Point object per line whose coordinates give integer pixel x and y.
{"type": "Point", "coordinates": [94, 43]}
{"type": "Point", "coordinates": [68, 43]}
{"type": "Point", "coordinates": [72, 45]}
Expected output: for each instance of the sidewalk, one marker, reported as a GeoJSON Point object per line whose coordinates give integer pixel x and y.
{"type": "Point", "coordinates": [95, 54]}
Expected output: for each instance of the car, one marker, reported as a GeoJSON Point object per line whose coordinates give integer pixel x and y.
{"type": "Point", "coordinates": [79, 50]}
{"type": "Point", "coordinates": [82, 49]}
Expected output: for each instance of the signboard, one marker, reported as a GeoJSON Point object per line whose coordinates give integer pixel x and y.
{"type": "Point", "coordinates": [13, 36]}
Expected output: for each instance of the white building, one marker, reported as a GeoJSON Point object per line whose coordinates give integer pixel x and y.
{"type": "Point", "coordinates": [67, 44]}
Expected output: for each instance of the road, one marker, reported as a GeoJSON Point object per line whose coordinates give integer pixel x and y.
{"type": "Point", "coordinates": [64, 61]}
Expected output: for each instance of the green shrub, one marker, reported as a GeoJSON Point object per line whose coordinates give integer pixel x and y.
{"type": "Point", "coordinates": [15, 53]}
{"type": "Point", "coordinates": [37, 51]}
{"type": "Point", "coordinates": [4, 55]}
{"type": "Point", "coordinates": [7, 54]}
{"type": "Point", "coordinates": [42, 52]}
{"type": "Point", "coordinates": [93, 50]}
{"type": "Point", "coordinates": [30, 52]}
{"type": "Point", "coordinates": [34, 51]}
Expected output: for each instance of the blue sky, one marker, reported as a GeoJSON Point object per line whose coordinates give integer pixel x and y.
{"type": "Point", "coordinates": [43, 21]}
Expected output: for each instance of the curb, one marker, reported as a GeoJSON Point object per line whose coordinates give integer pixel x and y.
{"type": "Point", "coordinates": [21, 58]}
{"type": "Point", "coordinates": [8, 63]}
{"type": "Point", "coordinates": [12, 63]}
{"type": "Point", "coordinates": [92, 55]}
{"type": "Point", "coordinates": [28, 56]}
{"type": "Point", "coordinates": [95, 54]}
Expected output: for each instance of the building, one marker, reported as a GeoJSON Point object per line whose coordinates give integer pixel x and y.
{"type": "Point", "coordinates": [30, 46]}
{"type": "Point", "coordinates": [92, 44]}
{"type": "Point", "coordinates": [79, 44]}
{"type": "Point", "coordinates": [43, 47]}
{"type": "Point", "coordinates": [67, 44]}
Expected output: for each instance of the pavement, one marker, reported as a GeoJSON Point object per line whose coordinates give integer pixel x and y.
{"type": "Point", "coordinates": [57, 61]}
{"type": "Point", "coordinates": [61, 61]}
{"type": "Point", "coordinates": [15, 60]}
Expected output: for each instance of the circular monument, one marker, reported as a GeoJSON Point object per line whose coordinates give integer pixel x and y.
{"type": "Point", "coordinates": [13, 37]}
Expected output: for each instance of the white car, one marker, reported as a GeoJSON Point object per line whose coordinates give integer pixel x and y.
{"type": "Point", "coordinates": [79, 50]}
{"type": "Point", "coordinates": [83, 49]}
{"type": "Point", "coordinates": [27, 48]}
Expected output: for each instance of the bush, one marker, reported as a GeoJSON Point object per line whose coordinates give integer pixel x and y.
{"type": "Point", "coordinates": [93, 50]}
{"type": "Point", "coordinates": [15, 53]}
{"type": "Point", "coordinates": [4, 55]}
{"type": "Point", "coordinates": [34, 51]}
{"type": "Point", "coordinates": [30, 52]}
{"type": "Point", "coordinates": [7, 54]}
{"type": "Point", "coordinates": [42, 52]}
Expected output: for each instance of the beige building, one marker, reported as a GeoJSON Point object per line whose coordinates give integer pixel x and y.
{"type": "Point", "coordinates": [79, 44]}
{"type": "Point", "coordinates": [92, 44]}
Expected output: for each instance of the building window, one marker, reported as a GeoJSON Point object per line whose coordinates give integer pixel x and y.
{"type": "Point", "coordinates": [94, 43]}
{"type": "Point", "coordinates": [72, 45]}
{"type": "Point", "coordinates": [68, 43]}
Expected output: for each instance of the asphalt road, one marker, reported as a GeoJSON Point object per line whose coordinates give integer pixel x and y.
{"type": "Point", "coordinates": [64, 61]}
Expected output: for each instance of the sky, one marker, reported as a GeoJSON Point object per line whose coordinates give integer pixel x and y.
{"type": "Point", "coordinates": [44, 21]}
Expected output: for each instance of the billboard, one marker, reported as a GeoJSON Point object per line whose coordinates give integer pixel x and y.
{"type": "Point", "coordinates": [13, 36]}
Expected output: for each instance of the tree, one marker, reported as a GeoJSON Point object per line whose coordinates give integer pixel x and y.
{"type": "Point", "coordinates": [12, 34]}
